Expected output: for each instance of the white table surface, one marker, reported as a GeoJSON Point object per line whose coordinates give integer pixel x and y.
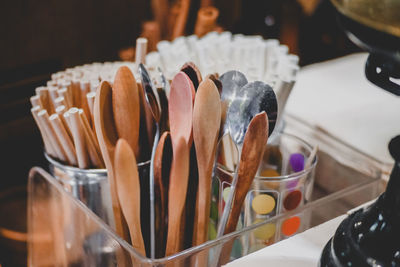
{"type": "Point", "coordinates": [336, 96]}
{"type": "Point", "coordinates": [300, 250]}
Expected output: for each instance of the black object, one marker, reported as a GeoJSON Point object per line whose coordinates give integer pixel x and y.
{"type": "Point", "coordinates": [370, 236]}
{"type": "Point", "coordinates": [384, 60]}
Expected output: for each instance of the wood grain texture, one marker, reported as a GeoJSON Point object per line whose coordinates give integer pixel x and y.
{"type": "Point", "coordinates": [162, 168]}
{"type": "Point", "coordinates": [126, 108]}
{"type": "Point", "coordinates": [206, 125]}
{"type": "Point", "coordinates": [128, 189]}
{"type": "Point", "coordinates": [181, 108]}
{"type": "Point", "coordinates": [254, 144]}
{"type": "Point", "coordinates": [107, 137]}
{"type": "Point", "coordinates": [177, 195]}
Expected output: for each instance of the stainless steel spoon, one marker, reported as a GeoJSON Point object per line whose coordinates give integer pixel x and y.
{"type": "Point", "coordinates": [232, 81]}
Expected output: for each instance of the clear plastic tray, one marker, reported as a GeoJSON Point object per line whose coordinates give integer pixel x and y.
{"type": "Point", "coordinates": [63, 232]}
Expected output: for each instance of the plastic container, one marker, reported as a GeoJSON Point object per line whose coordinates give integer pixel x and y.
{"type": "Point", "coordinates": [64, 231]}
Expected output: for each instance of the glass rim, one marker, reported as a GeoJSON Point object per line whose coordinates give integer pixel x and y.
{"type": "Point", "coordinates": [291, 176]}
{"type": "Point", "coordinates": [60, 165]}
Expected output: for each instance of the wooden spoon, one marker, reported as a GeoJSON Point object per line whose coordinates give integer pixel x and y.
{"type": "Point", "coordinates": [162, 168]}
{"type": "Point", "coordinates": [126, 108]}
{"type": "Point", "coordinates": [177, 195]}
{"type": "Point", "coordinates": [107, 137]}
{"type": "Point", "coordinates": [180, 115]}
{"type": "Point", "coordinates": [206, 124]}
{"type": "Point", "coordinates": [181, 108]}
{"type": "Point", "coordinates": [254, 143]}
{"type": "Point", "coordinates": [128, 186]}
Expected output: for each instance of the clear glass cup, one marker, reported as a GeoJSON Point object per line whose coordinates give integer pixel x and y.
{"type": "Point", "coordinates": [283, 183]}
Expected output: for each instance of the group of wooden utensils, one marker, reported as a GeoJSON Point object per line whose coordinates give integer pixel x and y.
{"type": "Point", "coordinates": [63, 111]}
{"type": "Point", "coordinates": [117, 122]}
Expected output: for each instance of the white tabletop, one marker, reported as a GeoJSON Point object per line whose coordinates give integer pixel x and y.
{"type": "Point", "coordinates": [300, 250]}
{"type": "Point", "coordinates": [336, 96]}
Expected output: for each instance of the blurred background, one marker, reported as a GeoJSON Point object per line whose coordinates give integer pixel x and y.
{"type": "Point", "coordinates": [39, 38]}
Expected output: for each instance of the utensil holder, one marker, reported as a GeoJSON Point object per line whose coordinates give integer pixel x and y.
{"type": "Point", "coordinates": [91, 187]}
{"type": "Point", "coordinates": [275, 190]}
{"type": "Point", "coordinates": [344, 179]}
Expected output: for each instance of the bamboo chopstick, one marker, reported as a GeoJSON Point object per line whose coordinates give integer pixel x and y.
{"type": "Point", "coordinates": [91, 141]}
{"type": "Point", "coordinates": [78, 135]}
{"type": "Point", "coordinates": [63, 92]}
{"type": "Point", "coordinates": [90, 100]}
{"type": "Point", "coordinates": [44, 120]}
{"type": "Point", "coordinates": [61, 110]}
{"type": "Point", "coordinates": [85, 89]}
{"type": "Point", "coordinates": [47, 144]}
{"type": "Point", "coordinates": [64, 138]}
{"type": "Point", "coordinates": [35, 101]}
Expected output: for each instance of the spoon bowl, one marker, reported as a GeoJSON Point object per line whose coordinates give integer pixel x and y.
{"type": "Point", "coordinates": [252, 99]}
{"type": "Point", "coordinates": [232, 81]}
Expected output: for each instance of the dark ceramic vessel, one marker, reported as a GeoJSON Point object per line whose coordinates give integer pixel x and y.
{"type": "Point", "coordinates": [370, 236]}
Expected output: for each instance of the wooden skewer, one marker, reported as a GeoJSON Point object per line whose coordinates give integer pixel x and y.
{"type": "Point", "coordinates": [85, 89]}
{"type": "Point", "coordinates": [63, 92]}
{"type": "Point", "coordinates": [67, 85]}
{"type": "Point", "coordinates": [60, 101]}
{"type": "Point", "coordinates": [61, 110]}
{"type": "Point", "coordinates": [76, 92]}
{"type": "Point", "coordinates": [35, 101]}
{"type": "Point", "coordinates": [47, 144]}
{"type": "Point", "coordinates": [79, 138]}
{"type": "Point", "coordinates": [64, 138]}
{"type": "Point", "coordinates": [90, 100]}
{"type": "Point", "coordinates": [53, 93]}
{"type": "Point", "coordinates": [44, 95]}
{"type": "Point", "coordinates": [91, 142]}
{"type": "Point", "coordinates": [44, 119]}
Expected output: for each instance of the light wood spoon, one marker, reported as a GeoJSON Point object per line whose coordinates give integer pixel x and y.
{"type": "Point", "coordinates": [206, 124]}
{"type": "Point", "coordinates": [107, 137]}
{"type": "Point", "coordinates": [128, 190]}
{"type": "Point", "coordinates": [126, 107]}
{"type": "Point", "coordinates": [177, 195]}
{"type": "Point", "coordinates": [180, 116]}
{"type": "Point", "coordinates": [181, 108]}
